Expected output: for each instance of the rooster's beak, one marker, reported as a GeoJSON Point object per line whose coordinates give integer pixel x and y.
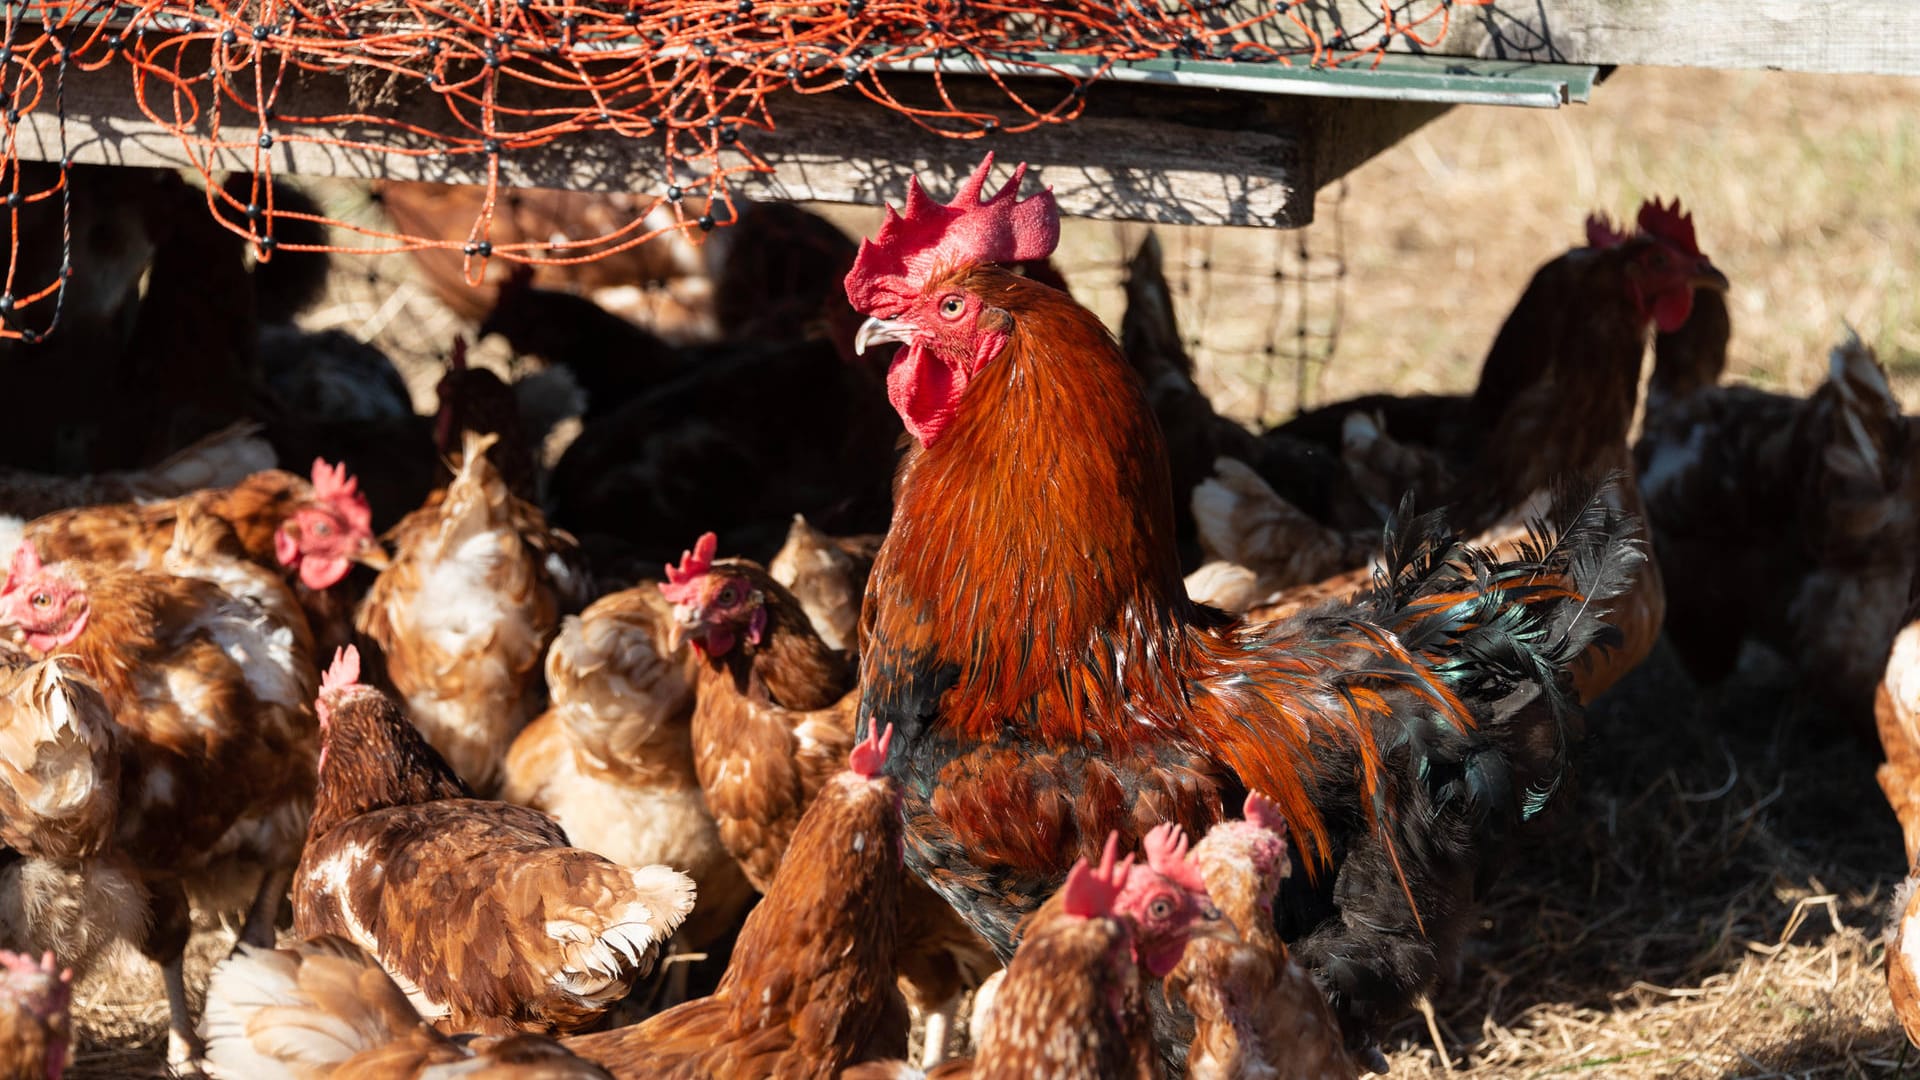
{"type": "Point", "coordinates": [877, 331]}
{"type": "Point", "coordinates": [1708, 276]}
{"type": "Point", "coordinates": [372, 555]}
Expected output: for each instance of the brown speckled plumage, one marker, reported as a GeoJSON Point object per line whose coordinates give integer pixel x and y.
{"type": "Point", "coordinates": [478, 909]}
{"type": "Point", "coordinates": [810, 989]}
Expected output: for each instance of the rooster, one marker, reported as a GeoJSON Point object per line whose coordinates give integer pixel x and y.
{"type": "Point", "coordinates": [552, 935]}
{"type": "Point", "coordinates": [214, 695]}
{"type": "Point", "coordinates": [465, 610]}
{"type": "Point", "coordinates": [773, 720]}
{"type": "Point", "coordinates": [1027, 632]}
{"type": "Point", "coordinates": [36, 1033]}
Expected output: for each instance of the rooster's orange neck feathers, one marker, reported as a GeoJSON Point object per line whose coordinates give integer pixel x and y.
{"type": "Point", "coordinates": [1049, 498]}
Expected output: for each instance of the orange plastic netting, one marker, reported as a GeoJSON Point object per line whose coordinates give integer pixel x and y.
{"type": "Point", "coordinates": [690, 81]}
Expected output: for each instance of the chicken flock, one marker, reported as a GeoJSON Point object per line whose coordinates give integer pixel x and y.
{"type": "Point", "coordinates": [892, 637]}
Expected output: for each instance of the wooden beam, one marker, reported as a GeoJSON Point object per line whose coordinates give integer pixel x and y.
{"type": "Point", "coordinates": [1140, 153]}
{"type": "Point", "coordinates": [1833, 36]}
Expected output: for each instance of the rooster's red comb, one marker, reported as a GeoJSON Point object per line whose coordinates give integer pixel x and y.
{"type": "Point", "coordinates": [927, 237]}
{"type": "Point", "coordinates": [1603, 233]}
{"type": "Point", "coordinates": [345, 671]}
{"type": "Point", "coordinates": [693, 564]}
{"type": "Point", "coordinates": [869, 755]}
{"type": "Point", "coordinates": [1166, 850]}
{"type": "Point", "coordinates": [334, 486]}
{"type": "Point", "coordinates": [1262, 812]}
{"type": "Point", "coordinates": [1090, 891]}
{"type": "Point", "coordinates": [1669, 223]}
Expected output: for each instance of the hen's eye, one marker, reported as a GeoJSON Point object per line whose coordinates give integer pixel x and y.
{"type": "Point", "coordinates": [726, 595]}
{"type": "Point", "coordinates": [41, 599]}
{"type": "Point", "coordinates": [322, 528]}
{"type": "Point", "coordinates": [952, 306]}
{"type": "Point", "coordinates": [1161, 909]}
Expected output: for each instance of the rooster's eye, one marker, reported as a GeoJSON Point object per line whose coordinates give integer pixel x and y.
{"type": "Point", "coordinates": [952, 306]}
{"type": "Point", "coordinates": [41, 599]}
{"type": "Point", "coordinates": [321, 528]}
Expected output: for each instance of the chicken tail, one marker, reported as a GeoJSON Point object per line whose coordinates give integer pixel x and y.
{"type": "Point", "coordinates": [610, 923]}
{"type": "Point", "coordinates": [284, 1014]}
{"type": "Point", "coordinates": [1866, 446]}
{"type": "Point", "coordinates": [1501, 636]}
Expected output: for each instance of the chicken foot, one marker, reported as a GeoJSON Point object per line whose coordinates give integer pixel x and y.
{"type": "Point", "coordinates": [166, 945]}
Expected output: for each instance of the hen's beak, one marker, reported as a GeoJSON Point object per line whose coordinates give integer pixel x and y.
{"type": "Point", "coordinates": [1708, 276]}
{"type": "Point", "coordinates": [682, 629]}
{"type": "Point", "coordinates": [372, 555]}
{"type": "Point", "coordinates": [876, 331]}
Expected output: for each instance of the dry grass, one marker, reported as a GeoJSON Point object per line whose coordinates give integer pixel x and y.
{"type": "Point", "coordinates": [1710, 904]}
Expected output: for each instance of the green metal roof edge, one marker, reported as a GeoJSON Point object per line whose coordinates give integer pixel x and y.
{"type": "Point", "coordinates": [1439, 79]}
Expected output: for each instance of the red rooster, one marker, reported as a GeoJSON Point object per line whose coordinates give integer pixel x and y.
{"type": "Point", "coordinates": [1027, 633]}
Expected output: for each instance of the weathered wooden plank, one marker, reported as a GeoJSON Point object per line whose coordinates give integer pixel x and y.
{"type": "Point", "coordinates": [1140, 153]}
{"type": "Point", "coordinates": [1833, 36]}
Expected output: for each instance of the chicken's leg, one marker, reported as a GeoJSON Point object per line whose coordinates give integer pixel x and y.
{"type": "Point", "coordinates": [939, 1026]}
{"type": "Point", "coordinates": [166, 945]}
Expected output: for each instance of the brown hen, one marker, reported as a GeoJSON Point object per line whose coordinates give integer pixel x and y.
{"type": "Point", "coordinates": [479, 910]}
{"type": "Point", "coordinates": [775, 713]}
{"type": "Point", "coordinates": [464, 613]}
{"type": "Point", "coordinates": [612, 757]}
{"type": "Point", "coordinates": [311, 533]}
{"type": "Point", "coordinates": [36, 1033]}
{"type": "Point", "coordinates": [214, 695]}
{"type": "Point", "coordinates": [810, 987]}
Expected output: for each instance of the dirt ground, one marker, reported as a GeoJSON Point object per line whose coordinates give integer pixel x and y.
{"type": "Point", "coordinates": [1712, 902]}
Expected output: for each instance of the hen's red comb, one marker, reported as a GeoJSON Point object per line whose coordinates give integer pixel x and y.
{"type": "Point", "coordinates": [25, 564]}
{"type": "Point", "coordinates": [345, 671]}
{"type": "Point", "coordinates": [927, 237]}
{"type": "Point", "coordinates": [1090, 891]}
{"type": "Point", "coordinates": [22, 964]}
{"type": "Point", "coordinates": [1667, 222]}
{"type": "Point", "coordinates": [334, 486]}
{"type": "Point", "coordinates": [869, 755]}
{"type": "Point", "coordinates": [1602, 233]}
{"type": "Point", "coordinates": [1262, 811]}
{"type": "Point", "coordinates": [1166, 850]}
{"type": "Point", "coordinates": [693, 564]}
